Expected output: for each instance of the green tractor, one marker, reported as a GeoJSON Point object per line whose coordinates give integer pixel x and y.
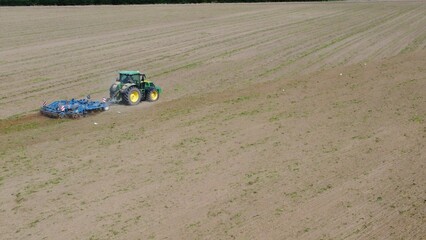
{"type": "Point", "coordinates": [131, 88]}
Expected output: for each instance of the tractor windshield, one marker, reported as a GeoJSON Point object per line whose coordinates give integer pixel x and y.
{"type": "Point", "coordinates": [125, 78]}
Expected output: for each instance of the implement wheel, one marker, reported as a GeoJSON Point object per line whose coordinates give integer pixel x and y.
{"type": "Point", "coordinates": [132, 96]}
{"type": "Point", "coordinates": [153, 95]}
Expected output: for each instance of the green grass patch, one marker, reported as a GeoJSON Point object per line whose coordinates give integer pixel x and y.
{"type": "Point", "coordinates": [34, 223]}
{"type": "Point", "coordinates": [417, 119]}
{"type": "Point", "coordinates": [35, 187]}
{"type": "Point", "coordinates": [249, 113]}
{"type": "Point", "coordinates": [325, 188]}
{"type": "Point", "coordinates": [40, 79]}
{"type": "Point", "coordinates": [279, 211]}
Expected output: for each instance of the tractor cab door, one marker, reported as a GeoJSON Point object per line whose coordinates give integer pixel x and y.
{"type": "Point", "coordinates": [136, 78]}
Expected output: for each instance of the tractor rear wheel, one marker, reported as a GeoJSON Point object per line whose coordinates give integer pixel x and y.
{"type": "Point", "coordinates": [113, 90]}
{"type": "Point", "coordinates": [114, 93]}
{"type": "Point", "coordinates": [132, 96]}
{"type": "Point", "coordinates": [153, 95]}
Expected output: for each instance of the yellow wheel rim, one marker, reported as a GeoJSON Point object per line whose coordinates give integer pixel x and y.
{"type": "Point", "coordinates": [134, 96]}
{"type": "Point", "coordinates": [154, 95]}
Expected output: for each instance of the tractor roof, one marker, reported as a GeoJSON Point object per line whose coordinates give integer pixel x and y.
{"type": "Point", "coordinates": [129, 72]}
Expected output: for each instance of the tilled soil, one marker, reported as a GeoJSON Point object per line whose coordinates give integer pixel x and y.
{"type": "Point", "coordinates": [278, 121]}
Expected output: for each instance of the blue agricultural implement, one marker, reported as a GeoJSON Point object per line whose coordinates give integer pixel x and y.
{"type": "Point", "coordinates": [73, 108]}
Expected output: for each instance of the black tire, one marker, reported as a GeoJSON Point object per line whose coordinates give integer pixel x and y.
{"type": "Point", "coordinates": [153, 95]}
{"type": "Point", "coordinates": [132, 96]}
{"type": "Point", "coordinates": [112, 91]}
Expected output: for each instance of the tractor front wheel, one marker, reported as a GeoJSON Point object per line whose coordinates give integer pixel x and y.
{"type": "Point", "coordinates": [153, 95]}
{"type": "Point", "coordinates": [132, 96]}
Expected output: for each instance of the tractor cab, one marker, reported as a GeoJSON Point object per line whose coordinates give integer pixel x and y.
{"type": "Point", "coordinates": [131, 77]}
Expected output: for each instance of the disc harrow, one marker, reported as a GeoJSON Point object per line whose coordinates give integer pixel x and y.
{"type": "Point", "coordinates": [73, 108]}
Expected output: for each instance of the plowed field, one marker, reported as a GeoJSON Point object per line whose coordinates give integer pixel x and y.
{"type": "Point", "coordinates": [277, 121]}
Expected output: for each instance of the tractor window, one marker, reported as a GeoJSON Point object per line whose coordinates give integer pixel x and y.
{"type": "Point", "coordinates": [124, 78]}
{"type": "Point", "coordinates": [136, 78]}
{"type": "Point", "coordinates": [128, 78]}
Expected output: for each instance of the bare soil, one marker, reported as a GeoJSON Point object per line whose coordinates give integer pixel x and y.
{"type": "Point", "coordinates": [277, 121]}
